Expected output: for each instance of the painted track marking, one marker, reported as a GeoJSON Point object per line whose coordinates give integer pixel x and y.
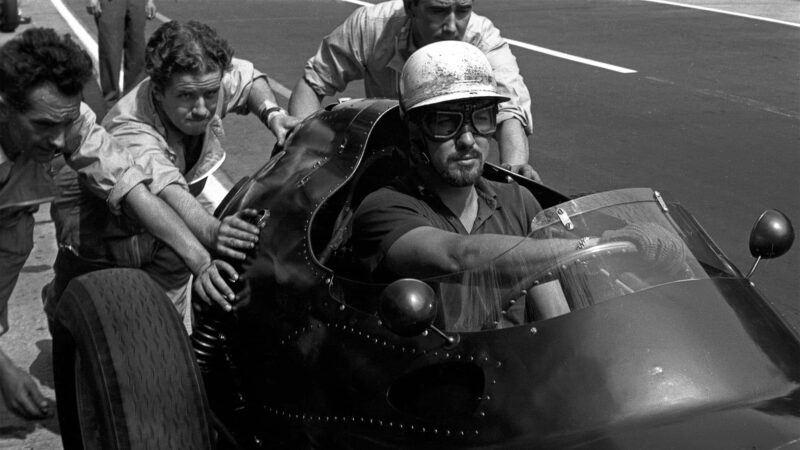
{"type": "Point", "coordinates": [546, 51]}
{"type": "Point", "coordinates": [722, 11]}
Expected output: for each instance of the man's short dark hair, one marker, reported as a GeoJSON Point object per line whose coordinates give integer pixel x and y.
{"type": "Point", "coordinates": [180, 48]}
{"type": "Point", "coordinates": [39, 56]}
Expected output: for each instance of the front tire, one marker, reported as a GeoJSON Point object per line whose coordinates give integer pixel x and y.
{"type": "Point", "coordinates": [125, 373]}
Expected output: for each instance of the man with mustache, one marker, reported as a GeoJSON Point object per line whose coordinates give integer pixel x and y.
{"type": "Point", "coordinates": [42, 75]}
{"type": "Point", "coordinates": [171, 124]}
{"type": "Point", "coordinates": [374, 42]}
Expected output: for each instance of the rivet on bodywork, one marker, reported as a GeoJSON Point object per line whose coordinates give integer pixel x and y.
{"type": "Point", "coordinates": [534, 330]}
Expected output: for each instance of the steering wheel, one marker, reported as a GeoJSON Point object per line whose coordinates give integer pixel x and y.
{"type": "Point", "coordinates": [608, 248]}
{"type": "Point", "coordinates": [594, 253]}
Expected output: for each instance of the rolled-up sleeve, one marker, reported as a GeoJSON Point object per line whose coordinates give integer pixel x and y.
{"type": "Point", "coordinates": [340, 58]}
{"type": "Point", "coordinates": [103, 165]}
{"type": "Point", "coordinates": [149, 151]}
{"type": "Point", "coordinates": [237, 83]}
{"type": "Point", "coordinates": [506, 72]}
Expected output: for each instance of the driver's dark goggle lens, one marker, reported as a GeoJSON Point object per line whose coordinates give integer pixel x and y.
{"type": "Point", "coordinates": [442, 125]}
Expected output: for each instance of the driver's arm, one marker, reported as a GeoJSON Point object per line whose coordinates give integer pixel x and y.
{"type": "Point", "coordinates": [429, 251]}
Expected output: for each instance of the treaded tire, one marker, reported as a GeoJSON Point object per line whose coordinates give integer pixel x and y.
{"type": "Point", "coordinates": [125, 374]}
{"type": "Point", "coordinates": [9, 15]}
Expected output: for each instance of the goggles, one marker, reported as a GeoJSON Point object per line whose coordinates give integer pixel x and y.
{"type": "Point", "coordinates": [441, 125]}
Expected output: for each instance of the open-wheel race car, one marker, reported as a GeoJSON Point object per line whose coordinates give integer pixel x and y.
{"type": "Point", "coordinates": [592, 349]}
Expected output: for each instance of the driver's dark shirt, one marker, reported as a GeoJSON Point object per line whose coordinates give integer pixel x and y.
{"type": "Point", "coordinates": [390, 212]}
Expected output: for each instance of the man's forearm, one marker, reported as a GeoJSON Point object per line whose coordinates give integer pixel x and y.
{"type": "Point", "coordinates": [260, 92]}
{"type": "Point", "coordinates": [304, 100]}
{"type": "Point", "coordinates": [163, 223]}
{"type": "Point", "coordinates": [202, 224]}
{"type": "Point", "coordinates": [512, 143]}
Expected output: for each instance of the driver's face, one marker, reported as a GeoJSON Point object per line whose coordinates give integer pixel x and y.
{"type": "Point", "coordinates": [439, 20]}
{"type": "Point", "coordinates": [459, 160]}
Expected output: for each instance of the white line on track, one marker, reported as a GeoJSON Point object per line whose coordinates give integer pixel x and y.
{"type": "Point", "coordinates": [722, 11]}
{"type": "Point", "coordinates": [77, 28]}
{"type": "Point", "coordinates": [574, 58]}
{"type": "Point", "coordinates": [546, 51]}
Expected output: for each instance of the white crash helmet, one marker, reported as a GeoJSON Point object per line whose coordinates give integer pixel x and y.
{"type": "Point", "coordinates": [445, 71]}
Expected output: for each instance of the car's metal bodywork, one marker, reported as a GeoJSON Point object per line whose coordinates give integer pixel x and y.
{"type": "Point", "coordinates": [701, 363]}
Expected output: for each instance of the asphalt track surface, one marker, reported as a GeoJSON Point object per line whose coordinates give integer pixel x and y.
{"type": "Point", "coordinates": [710, 113]}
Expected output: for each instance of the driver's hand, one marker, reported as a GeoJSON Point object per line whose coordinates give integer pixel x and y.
{"type": "Point", "coordinates": [21, 394]}
{"type": "Point", "coordinates": [526, 170]}
{"type": "Point", "coordinates": [210, 285]}
{"type": "Point", "coordinates": [236, 234]}
{"type": "Point", "coordinates": [661, 249]}
{"type": "Point", "coordinates": [281, 125]}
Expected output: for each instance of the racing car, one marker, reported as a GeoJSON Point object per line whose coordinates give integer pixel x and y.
{"type": "Point", "coordinates": [592, 349]}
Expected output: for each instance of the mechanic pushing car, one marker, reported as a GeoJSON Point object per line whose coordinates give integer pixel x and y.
{"type": "Point", "coordinates": [375, 41]}
{"type": "Point", "coordinates": [443, 217]}
{"type": "Point", "coordinates": [42, 75]}
{"type": "Point", "coordinates": [171, 124]}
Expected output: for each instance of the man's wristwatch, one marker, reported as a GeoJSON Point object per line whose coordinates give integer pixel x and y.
{"type": "Point", "coordinates": [266, 115]}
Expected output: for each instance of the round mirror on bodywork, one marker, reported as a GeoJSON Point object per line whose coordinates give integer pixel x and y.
{"type": "Point", "coordinates": [407, 307]}
{"type": "Point", "coordinates": [771, 237]}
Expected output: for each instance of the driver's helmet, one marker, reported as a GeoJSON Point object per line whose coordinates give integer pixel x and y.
{"type": "Point", "coordinates": [446, 71]}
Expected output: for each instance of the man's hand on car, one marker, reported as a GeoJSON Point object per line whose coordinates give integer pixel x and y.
{"type": "Point", "coordinates": [210, 285]}
{"type": "Point", "coordinates": [281, 125]}
{"type": "Point", "coordinates": [236, 235]}
{"type": "Point", "coordinates": [526, 170]}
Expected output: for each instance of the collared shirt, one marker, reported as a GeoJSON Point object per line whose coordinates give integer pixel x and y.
{"type": "Point", "coordinates": [83, 225]}
{"type": "Point", "coordinates": [135, 123]}
{"type": "Point", "coordinates": [375, 41]}
{"type": "Point", "coordinates": [108, 172]}
{"type": "Point", "coordinates": [390, 212]}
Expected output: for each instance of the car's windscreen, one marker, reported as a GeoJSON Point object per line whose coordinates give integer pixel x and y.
{"type": "Point", "coordinates": [577, 254]}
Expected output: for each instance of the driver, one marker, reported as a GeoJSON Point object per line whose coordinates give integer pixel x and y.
{"type": "Point", "coordinates": [442, 217]}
